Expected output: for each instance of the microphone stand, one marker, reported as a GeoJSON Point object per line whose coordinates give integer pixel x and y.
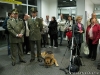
{"type": "Point", "coordinates": [71, 56]}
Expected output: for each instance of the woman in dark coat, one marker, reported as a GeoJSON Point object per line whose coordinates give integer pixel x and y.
{"type": "Point", "coordinates": [53, 32]}
{"type": "Point", "coordinates": [78, 35]}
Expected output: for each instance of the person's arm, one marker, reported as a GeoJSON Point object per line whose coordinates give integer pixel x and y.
{"type": "Point", "coordinates": [98, 35]}
{"type": "Point", "coordinates": [75, 29]}
{"type": "Point", "coordinates": [62, 23]}
{"type": "Point", "coordinates": [10, 29]}
{"type": "Point", "coordinates": [44, 24]}
{"type": "Point", "coordinates": [83, 30]}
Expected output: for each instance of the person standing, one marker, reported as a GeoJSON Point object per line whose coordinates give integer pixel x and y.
{"type": "Point", "coordinates": [4, 25]}
{"type": "Point", "coordinates": [53, 32]}
{"type": "Point", "coordinates": [47, 21]}
{"type": "Point", "coordinates": [35, 27]}
{"type": "Point", "coordinates": [78, 30]}
{"type": "Point", "coordinates": [61, 28]}
{"type": "Point", "coordinates": [44, 33]}
{"type": "Point", "coordinates": [92, 38]}
{"type": "Point", "coordinates": [25, 18]}
{"type": "Point", "coordinates": [68, 30]}
{"type": "Point", "coordinates": [16, 31]}
{"type": "Point", "coordinates": [69, 23]}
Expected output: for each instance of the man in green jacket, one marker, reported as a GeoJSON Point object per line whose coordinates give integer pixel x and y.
{"type": "Point", "coordinates": [35, 27]}
{"type": "Point", "coordinates": [16, 30]}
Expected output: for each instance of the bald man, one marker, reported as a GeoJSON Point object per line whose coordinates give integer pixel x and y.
{"type": "Point", "coordinates": [93, 15]}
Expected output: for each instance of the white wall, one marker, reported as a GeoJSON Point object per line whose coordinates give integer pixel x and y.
{"type": "Point", "coordinates": [48, 7]}
{"type": "Point", "coordinates": [89, 7]}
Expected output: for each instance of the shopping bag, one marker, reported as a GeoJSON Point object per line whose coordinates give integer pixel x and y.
{"type": "Point", "coordinates": [99, 41]}
{"type": "Point", "coordinates": [86, 50]}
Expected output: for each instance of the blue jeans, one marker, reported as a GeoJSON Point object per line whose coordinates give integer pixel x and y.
{"type": "Point", "coordinates": [61, 35]}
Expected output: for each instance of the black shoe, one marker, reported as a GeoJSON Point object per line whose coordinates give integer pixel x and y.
{"type": "Point", "coordinates": [45, 47]}
{"type": "Point", "coordinates": [32, 60]}
{"type": "Point", "coordinates": [98, 67]}
{"type": "Point", "coordinates": [47, 43]}
{"type": "Point", "coordinates": [39, 60]}
{"type": "Point", "coordinates": [13, 63]}
{"type": "Point", "coordinates": [60, 44]}
{"type": "Point", "coordinates": [89, 56]}
{"type": "Point", "coordinates": [93, 59]}
{"type": "Point", "coordinates": [23, 61]}
{"type": "Point", "coordinates": [80, 56]}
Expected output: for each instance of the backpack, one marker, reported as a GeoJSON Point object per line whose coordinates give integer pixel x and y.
{"type": "Point", "coordinates": [77, 61]}
{"type": "Point", "coordinates": [75, 64]}
{"type": "Point", "coordinates": [73, 68]}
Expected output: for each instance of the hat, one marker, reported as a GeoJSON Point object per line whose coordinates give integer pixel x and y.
{"type": "Point", "coordinates": [15, 11]}
{"type": "Point", "coordinates": [34, 10]}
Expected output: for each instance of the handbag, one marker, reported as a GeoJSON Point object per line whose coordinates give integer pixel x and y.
{"type": "Point", "coordinates": [86, 50]}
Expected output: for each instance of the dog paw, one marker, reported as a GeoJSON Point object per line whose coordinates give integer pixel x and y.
{"type": "Point", "coordinates": [57, 65]}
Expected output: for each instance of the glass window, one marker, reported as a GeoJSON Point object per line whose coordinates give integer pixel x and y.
{"type": "Point", "coordinates": [30, 2]}
{"type": "Point", "coordinates": [21, 8]}
{"type": "Point", "coordinates": [4, 9]}
{"type": "Point", "coordinates": [23, 1]}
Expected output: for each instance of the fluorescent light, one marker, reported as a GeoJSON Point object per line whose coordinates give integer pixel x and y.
{"type": "Point", "coordinates": [64, 1]}
{"type": "Point", "coordinates": [70, 0]}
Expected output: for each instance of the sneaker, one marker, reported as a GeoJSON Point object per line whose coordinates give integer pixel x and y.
{"type": "Point", "coordinates": [55, 47]}
{"type": "Point", "coordinates": [50, 46]}
{"type": "Point", "coordinates": [28, 53]}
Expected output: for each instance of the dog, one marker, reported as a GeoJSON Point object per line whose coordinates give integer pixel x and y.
{"type": "Point", "coordinates": [49, 58]}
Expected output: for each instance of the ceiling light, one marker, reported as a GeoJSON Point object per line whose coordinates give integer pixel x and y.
{"type": "Point", "coordinates": [70, 0]}
{"type": "Point", "coordinates": [64, 1]}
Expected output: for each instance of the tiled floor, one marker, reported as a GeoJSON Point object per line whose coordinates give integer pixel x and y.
{"type": "Point", "coordinates": [37, 68]}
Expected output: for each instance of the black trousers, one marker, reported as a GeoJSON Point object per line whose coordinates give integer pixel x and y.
{"type": "Point", "coordinates": [27, 44]}
{"type": "Point", "coordinates": [92, 49]}
{"type": "Point", "coordinates": [43, 40]}
{"type": "Point", "coordinates": [47, 39]}
{"type": "Point", "coordinates": [78, 48]}
{"type": "Point", "coordinates": [54, 38]}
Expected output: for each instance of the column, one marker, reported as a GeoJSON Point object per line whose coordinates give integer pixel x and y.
{"type": "Point", "coordinates": [13, 6]}
{"type": "Point", "coordinates": [80, 9]}
{"type": "Point", "coordinates": [39, 8]}
{"type": "Point", "coordinates": [27, 6]}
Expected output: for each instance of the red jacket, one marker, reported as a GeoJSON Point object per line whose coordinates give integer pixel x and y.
{"type": "Point", "coordinates": [96, 33]}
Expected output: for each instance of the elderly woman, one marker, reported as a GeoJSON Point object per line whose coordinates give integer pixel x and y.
{"type": "Point", "coordinates": [92, 38]}
{"type": "Point", "coordinates": [78, 30]}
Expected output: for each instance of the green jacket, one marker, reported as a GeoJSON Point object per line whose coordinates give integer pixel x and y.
{"type": "Point", "coordinates": [15, 28]}
{"type": "Point", "coordinates": [35, 28]}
